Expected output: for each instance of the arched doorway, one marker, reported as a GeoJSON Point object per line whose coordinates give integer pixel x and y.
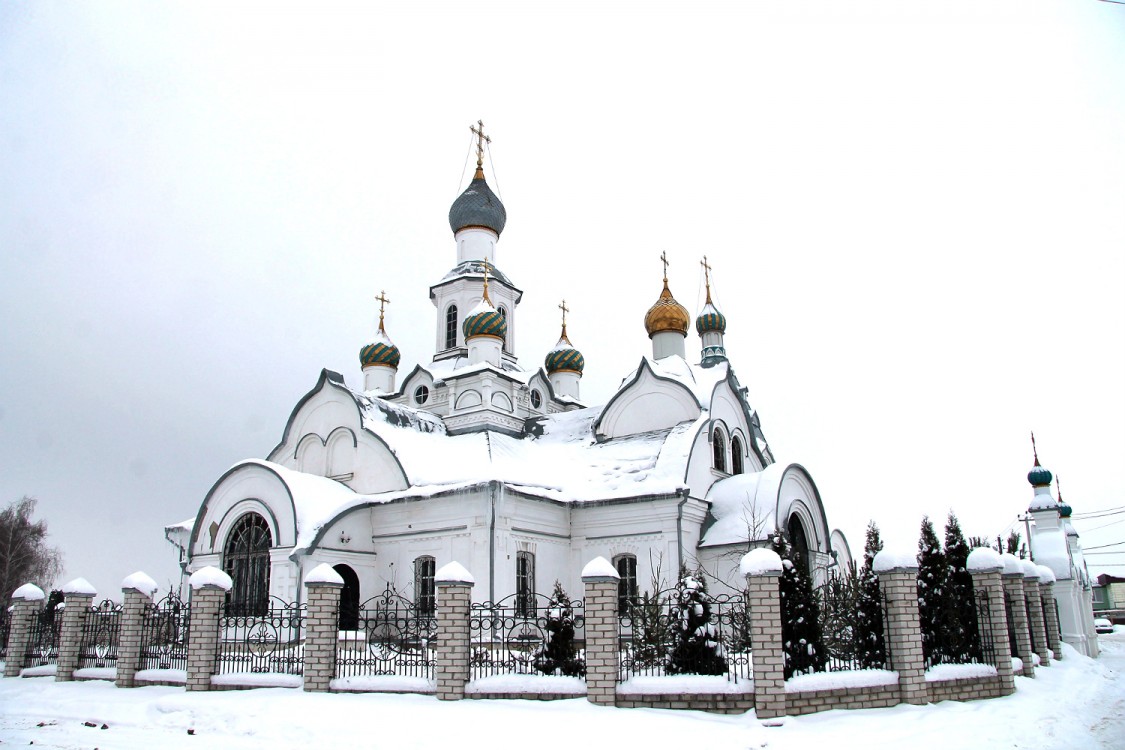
{"type": "Point", "coordinates": [799, 541]}
{"type": "Point", "coordinates": [349, 597]}
{"type": "Point", "coordinates": [246, 559]}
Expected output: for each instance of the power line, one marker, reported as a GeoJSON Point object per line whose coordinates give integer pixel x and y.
{"type": "Point", "coordinates": [1102, 546]}
{"type": "Point", "coordinates": [1097, 514]}
{"type": "Point", "coordinates": [1104, 525]}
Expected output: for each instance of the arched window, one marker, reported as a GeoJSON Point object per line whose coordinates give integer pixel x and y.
{"type": "Point", "coordinates": [424, 601]}
{"type": "Point", "coordinates": [525, 584]}
{"type": "Point", "coordinates": [626, 566]}
{"type": "Point", "coordinates": [800, 541]}
{"type": "Point", "coordinates": [719, 447]}
{"type": "Point", "coordinates": [736, 455]}
{"type": "Point", "coordinates": [246, 559]}
{"type": "Point", "coordinates": [504, 314]}
{"type": "Point", "coordinates": [451, 327]}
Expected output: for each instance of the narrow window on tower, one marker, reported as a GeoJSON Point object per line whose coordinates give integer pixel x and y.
{"type": "Point", "coordinates": [525, 584]}
{"type": "Point", "coordinates": [719, 447]}
{"type": "Point", "coordinates": [451, 327]}
{"type": "Point", "coordinates": [735, 455]}
{"type": "Point", "coordinates": [504, 314]}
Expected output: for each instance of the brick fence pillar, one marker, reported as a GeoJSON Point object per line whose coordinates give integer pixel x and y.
{"type": "Point", "coordinates": [603, 650]}
{"type": "Point", "coordinates": [985, 566]}
{"type": "Point", "coordinates": [1013, 589]}
{"type": "Point", "coordinates": [209, 587]}
{"type": "Point", "coordinates": [1047, 595]}
{"type": "Point", "coordinates": [322, 626]}
{"type": "Point", "coordinates": [1035, 611]}
{"type": "Point", "coordinates": [898, 582]}
{"type": "Point", "coordinates": [78, 594]}
{"type": "Point", "coordinates": [451, 656]}
{"type": "Point", "coordinates": [136, 591]}
{"type": "Point", "coordinates": [27, 601]}
{"type": "Point", "coordinates": [762, 570]}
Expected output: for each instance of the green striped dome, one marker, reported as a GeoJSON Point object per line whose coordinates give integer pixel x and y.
{"type": "Point", "coordinates": [564, 359]}
{"type": "Point", "coordinates": [487, 322]}
{"type": "Point", "coordinates": [710, 320]}
{"type": "Point", "coordinates": [380, 353]}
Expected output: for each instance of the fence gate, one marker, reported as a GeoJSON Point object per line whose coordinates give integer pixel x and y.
{"type": "Point", "coordinates": [266, 638]}
{"type": "Point", "coordinates": [387, 635]}
{"type": "Point", "coordinates": [164, 634]}
{"type": "Point", "coordinates": [100, 630]}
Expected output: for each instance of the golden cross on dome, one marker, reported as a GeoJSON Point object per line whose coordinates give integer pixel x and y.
{"type": "Point", "coordinates": [383, 301]}
{"type": "Point", "coordinates": [664, 260]}
{"type": "Point", "coordinates": [565, 310]}
{"type": "Point", "coordinates": [482, 139]}
{"type": "Point", "coordinates": [487, 268]}
{"type": "Point", "coordinates": [707, 277]}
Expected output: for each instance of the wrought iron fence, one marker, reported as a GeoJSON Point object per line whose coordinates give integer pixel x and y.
{"type": "Point", "coordinates": [43, 640]}
{"type": "Point", "coordinates": [986, 643]}
{"type": "Point", "coordinates": [1030, 625]}
{"type": "Point", "coordinates": [388, 635]}
{"type": "Point", "coordinates": [651, 637]}
{"type": "Point", "coordinates": [270, 640]}
{"type": "Point", "coordinates": [5, 631]}
{"type": "Point", "coordinates": [1011, 623]}
{"type": "Point", "coordinates": [100, 631]}
{"type": "Point", "coordinates": [514, 636]}
{"type": "Point", "coordinates": [852, 621]}
{"type": "Point", "coordinates": [164, 634]}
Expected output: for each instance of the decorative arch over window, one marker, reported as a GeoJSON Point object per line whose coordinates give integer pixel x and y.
{"type": "Point", "coordinates": [719, 449]}
{"type": "Point", "coordinates": [451, 327]}
{"type": "Point", "coordinates": [246, 559]}
{"type": "Point", "coordinates": [736, 452]}
{"type": "Point", "coordinates": [425, 601]}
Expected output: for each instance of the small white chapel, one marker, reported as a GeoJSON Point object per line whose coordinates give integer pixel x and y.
{"type": "Point", "coordinates": [478, 458]}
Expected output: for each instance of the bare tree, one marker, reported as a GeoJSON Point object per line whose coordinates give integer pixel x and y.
{"type": "Point", "coordinates": [25, 556]}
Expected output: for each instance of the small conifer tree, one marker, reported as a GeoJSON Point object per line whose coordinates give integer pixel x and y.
{"type": "Point", "coordinates": [932, 577]}
{"type": "Point", "coordinates": [559, 656]}
{"type": "Point", "coordinates": [960, 629]}
{"type": "Point", "coordinates": [870, 638]}
{"type": "Point", "coordinates": [696, 646]}
{"type": "Point", "coordinates": [801, 638]}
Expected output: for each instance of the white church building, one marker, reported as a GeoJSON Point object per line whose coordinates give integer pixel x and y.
{"type": "Point", "coordinates": [475, 458]}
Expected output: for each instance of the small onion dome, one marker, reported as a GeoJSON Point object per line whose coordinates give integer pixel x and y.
{"type": "Point", "coordinates": [710, 320]}
{"type": "Point", "coordinates": [478, 206]}
{"type": "Point", "coordinates": [1038, 476]}
{"type": "Point", "coordinates": [485, 320]}
{"type": "Point", "coordinates": [380, 352]}
{"type": "Point", "coordinates": [564, 357]}
{"type": "Point", "coordinates": [1065, 510]}
{"type": "Point", "coordinates": [667, 315]}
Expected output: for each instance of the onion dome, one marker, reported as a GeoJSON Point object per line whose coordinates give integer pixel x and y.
{"type": "Point", "coordinates": [710, 320]}
{"type": "Point", "coordinates": [1038, 476]}
{"type": "Point", "coordinates": [380, 351]}
{"type": "Point", "coordinates": [564, 357]}
{"type": "Point", "coordinates": [478, 206]}
{"type": "Point", "coordinates": [667, 315]}
{"type": "Point", "coordinates": [485, 319]}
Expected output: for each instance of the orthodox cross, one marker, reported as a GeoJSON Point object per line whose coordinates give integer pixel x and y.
{"type": "Point", "coordinates": [382, 300]}
{"type": "Point", "coordinates": [565, 310]}
{"type": "Point", "coordinates": [707, 277]}
{"type": "Point", "coordinates": [482, 139]}
{"type": "Point", "coordinates": [486, 270]}
{"type": "Point", "coordinates": [1033, 451]}
{"type": "Point", "coordinates": [664, 260]}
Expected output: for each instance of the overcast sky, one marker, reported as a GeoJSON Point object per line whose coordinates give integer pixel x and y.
{"type": "Point", "coordinates": [915, 213]}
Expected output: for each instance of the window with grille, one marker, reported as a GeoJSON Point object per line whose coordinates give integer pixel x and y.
{"type": "Point", "coordinates": [451, 327]}
{"type": "Point", "coordinates": [246, 559]}
{"type": "Point", "coordinates": [525, 584]}
{"type": "Point", "coordinates": [424, 600]}
{"type": "Point", "coordinates": [719, 447]}
{"type": "Point", "coordinates": [627, 585]}
{"type": "Point", "coordinates": [735, 455]}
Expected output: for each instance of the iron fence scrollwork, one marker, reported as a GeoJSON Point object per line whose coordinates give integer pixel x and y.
{"type": "Point", "coordinates": [100, 630]}
{"type": "Point", "coordinates": [164, 634]}
{"type": "Point", "coordinates": [43, 640]}
{"type": "Point", "coordinates": [512, 635]}
{"type": "Point", "coordinates": [387, 635]}
{"type": "Point", "coordinates": [267, 640]}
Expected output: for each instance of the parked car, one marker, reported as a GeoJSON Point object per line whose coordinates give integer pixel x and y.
{"type": "Point", "coordinates": [1102, 625]}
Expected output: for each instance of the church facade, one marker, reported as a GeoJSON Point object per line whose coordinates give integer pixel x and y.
{"type": "Point", "coordinates": [472, 458]}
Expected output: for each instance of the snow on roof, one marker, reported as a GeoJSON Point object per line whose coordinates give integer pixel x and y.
{"type": "Point", "coordinates": [891, 559]}
{"type": "Point", "coordinates": [742, 504]}
{"type": "Point", "coordinates": [600, 567]}
{"type": "Point", "coordinates": [1030, 569]}
{"type": "Point", "coordinates": [79, 586]}
{"type": "Point", "coordinates": [1012, 564]}
{"type": "Point", "coordinates": [984, 558]}
{"type": "Point", "coordinates": [324, 573]}
{"type": "Point", "coordinates": [700, 380]}
{"type": "Point", "coordinates": [454, 572]}
{"type": "Point", "coordinates": [1046, 575]}
{"type": "Point", "coordinates": [30, 592]}
{"type": "Point", "coordinates": [760, 561]}
{"type": "Point", "coordinates": [210, 576]}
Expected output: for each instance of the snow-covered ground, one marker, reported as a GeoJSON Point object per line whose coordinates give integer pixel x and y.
{"type": "Point", "coordinates": [1077, 703]}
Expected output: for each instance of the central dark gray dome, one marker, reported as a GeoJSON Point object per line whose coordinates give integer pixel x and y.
{"type": "Point", "coordinates": [478, 206]}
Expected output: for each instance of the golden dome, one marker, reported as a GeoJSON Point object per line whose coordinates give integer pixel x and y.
{"type": "Point", "coordinates": [667, 315]}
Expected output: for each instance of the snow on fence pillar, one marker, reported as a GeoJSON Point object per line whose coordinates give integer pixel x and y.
{"type": "Point", "coordinates": [454, 595]}
{"type": "Point", "coordinates": [1035, 610]}
{"type": "Point", "coordinates": [898, 581]}
{"type": "Point", "coordinates": [137, 591]}
{"type": "Point", "coordinates": [762, 569]}
{"type": "Point", "coordinates": [27, 600]}
{"type": "Point", "coordinates": [602, 648]}
{"type": "Point", "coordinates": [321, 626]}
{"type": "Point", "coordinates": [1047, 595]}
{"type": "Point", "coordinates": [209, 586]}
{"type": "Point", "coordinates": [77, 595]}
{"type": "Point", "coordinates": [985, 565]}
{"type": "Point", "coordinates": [1013, 588]}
